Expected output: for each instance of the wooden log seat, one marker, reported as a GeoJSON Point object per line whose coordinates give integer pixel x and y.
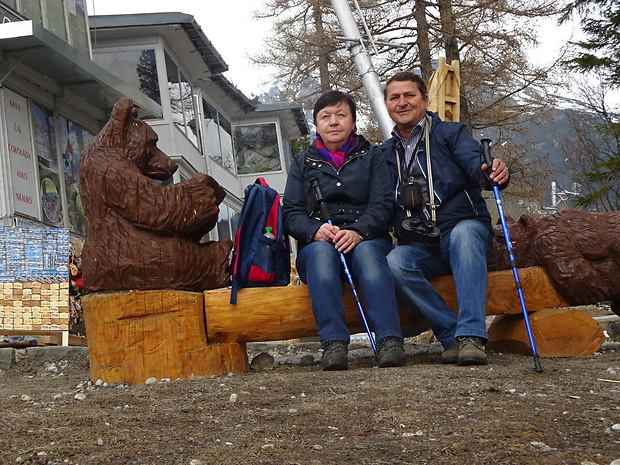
{"type": "Point", "coordinates": [133, 336]}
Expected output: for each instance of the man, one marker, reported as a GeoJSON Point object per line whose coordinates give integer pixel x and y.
{"type": "Point", "coordinates": [441, 220]}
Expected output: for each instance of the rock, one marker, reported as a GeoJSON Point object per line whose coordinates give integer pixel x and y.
{"type": "Point", "coordinates": [613, 330]}
{"type": "Point", "coordinates": [262, 361]}
{"type": "Point", "coordinates": [306, 360]}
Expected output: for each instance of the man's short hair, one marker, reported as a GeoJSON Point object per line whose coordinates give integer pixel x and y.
{"type": "Point", "coordinates": [333, 97]}
{"type": "Point", "coordinates": [407, 76]}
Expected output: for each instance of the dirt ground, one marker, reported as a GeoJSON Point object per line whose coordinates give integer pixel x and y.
{"type": "Point", "coordinates": [424, 413]}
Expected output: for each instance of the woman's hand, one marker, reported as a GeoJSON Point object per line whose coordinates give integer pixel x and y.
{"type": "Point", "coordinates": [326, 233]}
{"type": "Point", "coordinates": [344, 240]}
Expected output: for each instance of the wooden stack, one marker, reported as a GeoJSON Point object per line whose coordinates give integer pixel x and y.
{"type": "Point", "coordinates": [444, 91]}
{"type": "Point", "coordinates": [34, 306]}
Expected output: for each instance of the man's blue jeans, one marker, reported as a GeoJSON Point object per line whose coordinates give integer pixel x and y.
{"type": "Point", "coordinates": [319, 266]}
{"type": "Point", "coordinates": [462, 252]}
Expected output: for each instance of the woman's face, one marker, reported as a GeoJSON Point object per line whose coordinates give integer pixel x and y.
{"type": "Point", "coordinates": [335, 124]}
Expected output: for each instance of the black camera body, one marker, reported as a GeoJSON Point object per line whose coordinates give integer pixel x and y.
{"type": "Point", "coordinates": [415, 230]}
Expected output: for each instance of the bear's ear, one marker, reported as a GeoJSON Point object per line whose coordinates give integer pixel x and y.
{"type": "Point", "coordinates": [121, 116]}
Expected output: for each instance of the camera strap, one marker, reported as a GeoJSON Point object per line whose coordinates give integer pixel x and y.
{"type": "Point", "coordinates": [411, 167]}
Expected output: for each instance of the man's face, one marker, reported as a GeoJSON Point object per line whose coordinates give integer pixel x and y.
{"type": "Point", "coordinates": [405, 105]}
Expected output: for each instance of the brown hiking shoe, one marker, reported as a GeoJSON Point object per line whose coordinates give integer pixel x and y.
{"type": "Point", "coordinates": [471, 351]}
{"type": "Point", "coordinates": [451, 355]}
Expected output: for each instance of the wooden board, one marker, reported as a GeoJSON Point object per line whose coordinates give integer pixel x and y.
{"type": "Point", "coordinates": [134, 336]}
{"type": "Point", "coordinates": [276, 313]}
{"type": "Point", "coordinates": [558, 332]}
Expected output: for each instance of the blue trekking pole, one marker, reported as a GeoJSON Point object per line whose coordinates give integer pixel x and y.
{"type": "Point", "coordinates": [485, 150]}
{"type": "Point", "coordinates": [327, 217]}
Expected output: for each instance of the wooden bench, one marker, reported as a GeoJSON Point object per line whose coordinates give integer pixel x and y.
{"type": "Point", "coordinates": [176, 334]}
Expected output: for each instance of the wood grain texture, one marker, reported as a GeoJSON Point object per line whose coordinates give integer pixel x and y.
{"type": "Point", "coordinates": [134, 336]}
{"type": "Point", "coordinates": [275, 313]}
{"type": "Point", "coordinates": [558, 332]}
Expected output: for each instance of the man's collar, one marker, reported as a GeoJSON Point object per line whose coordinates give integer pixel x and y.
{"type": "Point", "coordinates": [396, 131]}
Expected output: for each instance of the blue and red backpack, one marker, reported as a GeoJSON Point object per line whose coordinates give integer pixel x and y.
{"type": "Point", "coordinates": [257, 259]}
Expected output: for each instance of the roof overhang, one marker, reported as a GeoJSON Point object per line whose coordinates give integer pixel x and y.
{"type": "Point", "coordinates": [183, 35]}
{"type": "Point", "coordinates": [32, 46]}
{"type": "Point", "coordinates": [172, 26]}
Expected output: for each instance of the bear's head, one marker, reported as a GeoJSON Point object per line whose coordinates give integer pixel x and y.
{"type": "Point", "coordinates": [138, 141]}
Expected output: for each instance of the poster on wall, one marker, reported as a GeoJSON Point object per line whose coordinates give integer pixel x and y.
{"type": "Point", "coordinates": [71, 149]}
{"type": "Point", "coordinates": [21, 160]}
{"type": "Point", "coordinates": [34, 254]}
{"type": "Point", "coordinates": [47, 161]}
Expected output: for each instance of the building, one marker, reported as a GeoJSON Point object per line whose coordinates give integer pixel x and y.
{"type": "Point", "coordinates": [60, 74]}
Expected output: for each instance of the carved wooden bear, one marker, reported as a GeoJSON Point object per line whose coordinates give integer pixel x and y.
{"type": "Point", "coordinates": [580, 251]}
{"type": "Point", "coordinates": [142, 235]}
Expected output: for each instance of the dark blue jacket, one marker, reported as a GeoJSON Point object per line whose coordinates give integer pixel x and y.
{"type": "Point", "coordinates": [456, 161]}
{"type": "Point", "coordinates": [358, 194]}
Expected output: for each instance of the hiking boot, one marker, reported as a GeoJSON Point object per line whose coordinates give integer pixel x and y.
{"type": "Point", "coordinates": [335, 356]}
{"type": "Point", "coordinates": [451, 355]}
{"type": "Point", "coordinates": [471, 351]}
{"type": "Point", "coordinates": [390, 352]}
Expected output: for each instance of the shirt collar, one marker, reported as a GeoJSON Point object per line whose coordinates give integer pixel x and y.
{"type": "Point", "coordinates": [413, 135]}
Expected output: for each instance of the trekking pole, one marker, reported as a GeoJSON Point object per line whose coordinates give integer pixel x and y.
{"type": "Point", "coordinates": [485, 149]}
{"type": "Point", "coordinates": [327, 217]}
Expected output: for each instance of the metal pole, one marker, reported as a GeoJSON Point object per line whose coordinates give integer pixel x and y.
{"type": "Point", "coordinates": [485, 150]}
{"type": "Point", "coordinates": [363, 64]}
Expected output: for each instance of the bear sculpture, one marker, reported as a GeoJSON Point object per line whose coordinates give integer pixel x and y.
{"type": "Point", "coordinates": [580, 252]}
{"type": "Point", "coordinates": [141, 234]}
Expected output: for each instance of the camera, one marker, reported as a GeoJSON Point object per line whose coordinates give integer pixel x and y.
{"type": "Point", "coordinates": [415, 230]}
{"type": "Point", "coordinates": [412, 195]}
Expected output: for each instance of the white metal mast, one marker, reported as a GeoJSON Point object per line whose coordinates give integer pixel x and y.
{"type": "Point", "coordinates": [363, 64]}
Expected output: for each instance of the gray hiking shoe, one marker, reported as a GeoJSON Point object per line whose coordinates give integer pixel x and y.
{"type": "Point", "coordinates": [335, 356]}
{"type": "Point", "coordinates": [451, 355]}
{"type": "Point", "coordinates": [471, 351]}
{"type": "Point", "coordinates": [391, 352]}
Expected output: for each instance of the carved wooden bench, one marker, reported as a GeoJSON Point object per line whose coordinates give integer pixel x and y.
{"type": "Point", "coordinates": [135, 335]}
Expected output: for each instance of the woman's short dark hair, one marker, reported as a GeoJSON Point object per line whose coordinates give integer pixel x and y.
{"type": "Point", "coordinates": [407, 76]}
{"type": "Point", "coordinates": [332, 98]}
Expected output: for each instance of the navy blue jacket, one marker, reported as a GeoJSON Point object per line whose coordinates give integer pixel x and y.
{"type": "Point", "coordinates": [456, 162]}
{"type": "Point", "coordinates": [358, 193]}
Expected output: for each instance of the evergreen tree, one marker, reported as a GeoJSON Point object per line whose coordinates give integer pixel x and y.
{"type": "Point", "coordinates": [598, 55]}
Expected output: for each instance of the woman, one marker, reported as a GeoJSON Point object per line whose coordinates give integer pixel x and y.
{"type": "Point", "coordinates": [355, 183]}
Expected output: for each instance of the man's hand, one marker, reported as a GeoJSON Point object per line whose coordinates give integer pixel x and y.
{"type": "Point", "coordinates": [499, 172]}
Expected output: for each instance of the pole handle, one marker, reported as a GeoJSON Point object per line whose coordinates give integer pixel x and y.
{"type": "Point", "coordinates": [485, 151]}
{"type": "Point", "coordinates": [316, 185]}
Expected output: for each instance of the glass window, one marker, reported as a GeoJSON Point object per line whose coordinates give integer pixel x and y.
{"type": "Point", "coordinates": [181, 100]}
{"type": "Point", "coordinates": [218, 137]}
{"type": "Point", "coordinates": [136, 67]}
{"type": "Point", "coordinates": [31, 9]}
{"type": "Point", "coordinates": [257, 148]}
{"type": "Point", "coordinates": [55, 16]}
{"type": "Point", "coordinates": [223, 222]}
{"type": "Point", "coordinates": [78, 28]}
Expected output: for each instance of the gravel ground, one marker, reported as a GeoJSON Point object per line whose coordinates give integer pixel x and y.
{"type": "Point", "coordinates": [291, 413]}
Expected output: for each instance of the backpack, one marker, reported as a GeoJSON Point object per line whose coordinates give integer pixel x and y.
{"type": "Point", "coordinates": [259, 260]}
